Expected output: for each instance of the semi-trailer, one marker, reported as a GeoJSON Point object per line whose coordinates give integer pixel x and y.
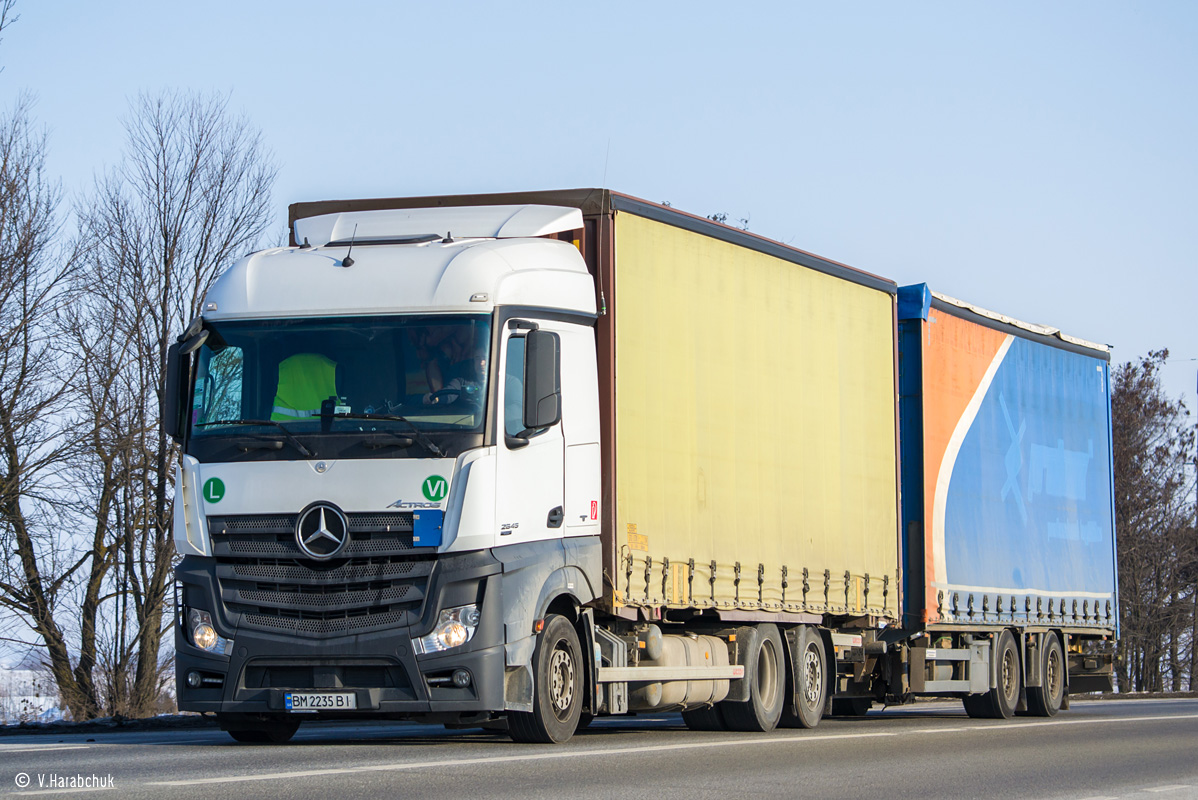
{"type": "Point", "coordinates": [520, 460]}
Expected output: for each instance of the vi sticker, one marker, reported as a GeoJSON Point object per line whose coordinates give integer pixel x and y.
{"type": "Point", "coordinates": [435, 488]}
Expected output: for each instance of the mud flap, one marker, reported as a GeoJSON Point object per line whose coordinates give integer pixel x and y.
{"type": "Point", "coordinates": [586, 637]}
{"type": "Point", "coordinates": [746, 650]}
{"type": "Point", "coordinates": [517, 688]}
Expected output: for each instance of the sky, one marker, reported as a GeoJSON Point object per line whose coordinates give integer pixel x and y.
{"type": "Point", "coordinates": [1038, 159]}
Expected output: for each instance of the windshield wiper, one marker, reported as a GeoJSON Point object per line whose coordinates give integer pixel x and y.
{"type": "Point", "coordinates": [290, 436]}
{"type": "Point", "coordinates": [417, 434]}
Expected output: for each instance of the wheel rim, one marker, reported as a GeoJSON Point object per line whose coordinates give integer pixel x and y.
{"type": "Point", "coordinates": [767, 674]}
{"type": "Point", "coordinates": [813, 676]}
{"type": "Point", "coordinates": [1053, 675]}
{"type": "Point", "coordinates": [1010, 675]}
{"type": "Point", "coordinates": [561, 681]}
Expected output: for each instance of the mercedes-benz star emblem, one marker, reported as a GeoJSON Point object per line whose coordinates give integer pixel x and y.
{"type": "Point", "coordinates": [321, 531]}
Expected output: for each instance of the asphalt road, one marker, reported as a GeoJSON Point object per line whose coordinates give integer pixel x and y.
{"type": "Point", "coordinates": [1122, 749]}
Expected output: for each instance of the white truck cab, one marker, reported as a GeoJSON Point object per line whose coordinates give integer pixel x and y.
{"type": "Point", "coordinates": [390, 439]}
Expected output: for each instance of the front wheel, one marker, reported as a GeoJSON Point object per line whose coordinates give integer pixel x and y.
{"type": "Point", "coordinates": [557, 687]}
{"type": "Point", "coordinates": [258, 729]}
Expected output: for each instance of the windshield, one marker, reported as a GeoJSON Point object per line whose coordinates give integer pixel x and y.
{"type": "Point", "coordinates": [340, 387]}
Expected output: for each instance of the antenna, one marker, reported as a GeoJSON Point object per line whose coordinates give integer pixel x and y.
{"type": "Point", "coordinates": [606, 155]}
{"type": "Point", "coordinates": [347, 261]}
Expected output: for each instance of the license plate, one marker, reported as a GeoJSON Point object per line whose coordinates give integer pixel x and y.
{"type": "Point", "coordinates": [320, 702]}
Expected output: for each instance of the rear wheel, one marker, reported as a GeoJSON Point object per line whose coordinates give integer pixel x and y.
{"type": "Point", "coordinates": [765, 670]}
{"type": "Point", "coordinates": [1045, 700]}
{"type": "Point", "coordinates": [1000, 701]}
{"type": "Point", "coordinates": [557, 687]}
{"type": "Point", "coordinates": [811, 682]}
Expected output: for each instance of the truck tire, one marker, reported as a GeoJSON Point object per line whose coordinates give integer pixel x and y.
{"type": "Point", "coordinates": [1045, 700]}
{"type": "Point", "coordinates": [999, 702]}
{"type": "Point", "coordinates": [557, 687]}
{"type": "Point", "coordinates": [765, 670]}
{"type": "Point", "coordinates": [256, 729]}
{"type": "Point", "coordinates": [851, 706]}
{"type": "Point", "coordinates": [705, 718]}
{"type": "Point", "coordinates": [811, 681]}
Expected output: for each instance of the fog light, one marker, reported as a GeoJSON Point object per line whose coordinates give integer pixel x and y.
{"type": "Point", "coordinates": [193, 680]}
{"type": "Point", "coordinates": [461, 678]}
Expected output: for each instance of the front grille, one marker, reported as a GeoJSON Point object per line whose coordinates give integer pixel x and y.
{"type": "Point", "coordinates": [378, 581]}
{"type": "Point", "coordinates": [337, 598]}
{"type": "Point", "coordinates": [317, 625]}
{"type": "Point", "coordinates": [288, 571]}
{"type": "Point", "coordinates": [273, 535]}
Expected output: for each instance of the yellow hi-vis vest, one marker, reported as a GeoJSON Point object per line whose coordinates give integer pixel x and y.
{"type": "Point", "coordinates": [305, 381]}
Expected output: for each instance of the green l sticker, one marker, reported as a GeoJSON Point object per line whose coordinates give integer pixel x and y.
{"type": "Point", "coordinates": [435, 488]}
{"type": "Point", "coordinates": [214, 490]}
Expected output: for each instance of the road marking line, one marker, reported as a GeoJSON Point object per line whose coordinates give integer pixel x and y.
{"type": "Point", "coordinates": [43, 749]}
{"type": "Point", "coordinates": [1172, 788]}
{"type": "Point", "coordinates": [615, 751]}
{"type": "Point", "coordinates": [639, 750]}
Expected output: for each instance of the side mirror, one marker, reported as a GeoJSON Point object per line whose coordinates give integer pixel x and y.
{"type": "Point", "coordinates": [542, 380]}
{"type": "Point", "coordinates": [178, 369]}
{"type": "Point", "coordinates": [176, 382]}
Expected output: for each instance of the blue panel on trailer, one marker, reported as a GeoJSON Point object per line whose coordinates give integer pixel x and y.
{"type": "Point", "coordinates": [914, 302]}
{"type": "Point", "coordinates": [1028, 505]}
{"type": "Point", "coordinates": [910, 354]}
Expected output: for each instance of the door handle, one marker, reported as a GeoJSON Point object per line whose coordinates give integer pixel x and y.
{"type": "Point", "coordinates": [555, 518]}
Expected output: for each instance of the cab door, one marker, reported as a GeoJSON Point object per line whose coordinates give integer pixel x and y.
{"type": "Point", "coordinates": [530, 453]}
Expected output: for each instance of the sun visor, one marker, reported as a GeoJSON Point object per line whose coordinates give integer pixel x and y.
{"type": "Point", "coordinates": [467, 222]}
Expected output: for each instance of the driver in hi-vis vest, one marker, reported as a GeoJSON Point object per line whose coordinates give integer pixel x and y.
{"type": "Point", "coordinates": [305, 381]}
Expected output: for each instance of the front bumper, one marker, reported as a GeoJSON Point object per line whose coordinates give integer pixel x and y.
{"type": "Point", "coordinates": [379, 667]}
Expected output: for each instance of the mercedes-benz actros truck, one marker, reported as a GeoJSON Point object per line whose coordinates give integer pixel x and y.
{"type": "Point", "coordinates": [517, 461]}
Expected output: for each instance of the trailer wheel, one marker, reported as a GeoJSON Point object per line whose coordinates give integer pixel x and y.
{"type": "Point", "coordinates": [704, 718]}
{"type": "Point", "coordinates": [557, 687]}
{"type": "Point", "coordinates": [765, 671]}
{"type": "Point", "coordinates": [999, 702]}
{"type": "Point", "coordinates": [1046, 700]}
{"type": "Point", "coordinates": [811, 681]}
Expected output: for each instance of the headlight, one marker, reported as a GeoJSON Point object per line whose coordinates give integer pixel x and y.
{"type": "Point", "coordinates": [454, 628]}
{"type": "Point", "coordinates": [204, 635]}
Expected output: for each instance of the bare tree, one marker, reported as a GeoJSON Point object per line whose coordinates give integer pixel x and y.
{"type": "Point", "coordinates": [191, 193]}
{"type": "Point", "coordinates": [6, 16]}
{"type": "Point", "coordinates": [33, 448]}
{"type": "Point", "coordinates": [1154, 521]}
